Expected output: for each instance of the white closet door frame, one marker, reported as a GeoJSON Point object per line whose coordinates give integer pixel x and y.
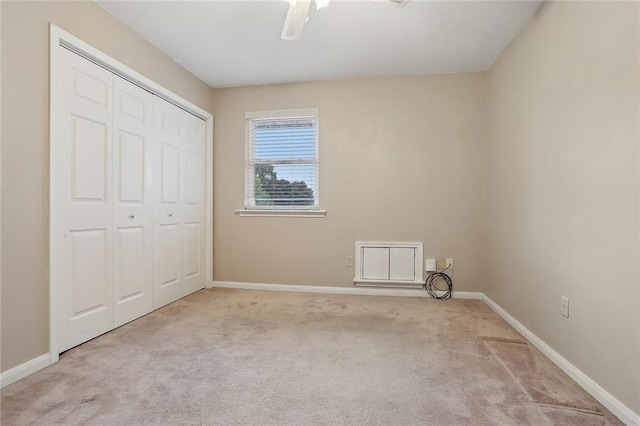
{"type": "Point", "coordinates": [59, 37]}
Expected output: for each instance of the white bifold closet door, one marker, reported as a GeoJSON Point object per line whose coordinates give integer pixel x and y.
{"type": "Point", "coordinates": [179, 203]}
{"type": "Point", "coordinates": [82, 173]}
{"type": "Point", "coordinates": [128, 201]}
{"type": "Point", "coordinates": [132, 202]}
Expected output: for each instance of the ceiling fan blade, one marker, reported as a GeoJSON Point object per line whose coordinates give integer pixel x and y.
{"type": "Point", "coordinates": [398, 3]}
{"type": "Point", "coordinates": [296, 17]}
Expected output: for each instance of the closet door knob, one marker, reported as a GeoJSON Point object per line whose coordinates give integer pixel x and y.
{"type": "Point", "coordinates": [170, 215]}
{"type": "Point", "coordinates": [131, 216]}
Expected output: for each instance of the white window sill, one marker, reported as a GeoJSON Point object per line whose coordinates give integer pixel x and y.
{"type": "Point", "coordinates": [281, 213]}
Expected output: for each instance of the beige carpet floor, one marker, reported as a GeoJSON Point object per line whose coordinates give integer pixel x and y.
{"type": "Point", "coordinates": [239, 357]}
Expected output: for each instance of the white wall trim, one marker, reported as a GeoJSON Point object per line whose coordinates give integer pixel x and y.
{"type": "Point", "coordinates": [283, 113]}
{"type": "Point", "coordinates": [59, 37]}
{"type": "Point", "coordinates": [312, 213]}
{"type": "Point", "coordinates": [363, 291]}
{"type": "Point", "coordinates": [23, 370]}
{"type": "Point", "coordinates": [614, 405]}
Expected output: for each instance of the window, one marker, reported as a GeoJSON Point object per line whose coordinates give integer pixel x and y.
{"type": "Point", "coordinates": [281, 163]}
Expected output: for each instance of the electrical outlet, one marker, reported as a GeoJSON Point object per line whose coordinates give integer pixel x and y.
{"type": "Point", "coordinates": [564, 306]}
{"type": "Point", "coordinates": [444, 263]}
{"type": "Point", "coordinates": [349, 261]}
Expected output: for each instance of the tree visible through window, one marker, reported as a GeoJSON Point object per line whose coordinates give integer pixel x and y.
{"type": "Point", "coordinates": [282, 161]}
{"type": "Point", "coordinates": [271, 191]}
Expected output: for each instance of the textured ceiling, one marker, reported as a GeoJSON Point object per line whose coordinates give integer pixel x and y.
{"type": "Point", "coordinates": [237, 43]}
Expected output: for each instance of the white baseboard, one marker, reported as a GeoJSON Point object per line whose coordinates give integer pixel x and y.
{"type": "Point", "coordinates": [467, 295]}
{"type": "Point", "coordinates": [23, 370]}
{"type": "Point", "coordinates": [624, 413]}
{"type": "Point", "coordinates": [363, 291]}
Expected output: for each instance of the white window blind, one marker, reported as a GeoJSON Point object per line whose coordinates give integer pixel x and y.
{"type": "Point", "coordinates": [281, 167]}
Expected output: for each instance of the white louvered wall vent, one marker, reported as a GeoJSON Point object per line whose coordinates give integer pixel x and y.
{"type": "Point", "coordinates": [388, 264]}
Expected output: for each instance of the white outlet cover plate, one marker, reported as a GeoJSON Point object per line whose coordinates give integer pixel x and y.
{"type": "Point", "coordinates": [430, 265]}
{"type": "Point", "coordinates": [564, 307]}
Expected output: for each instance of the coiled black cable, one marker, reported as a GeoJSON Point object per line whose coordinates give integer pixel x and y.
{"type": "Point", "coordinates": [435, 288]}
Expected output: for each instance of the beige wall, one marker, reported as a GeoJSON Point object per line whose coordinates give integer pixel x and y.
{"type": "Point", "coordinates": [25, 170]}
{"type": "Point", "coordinates": [562, 204]}
{"type": "Point", "coordinates": [402, 159]}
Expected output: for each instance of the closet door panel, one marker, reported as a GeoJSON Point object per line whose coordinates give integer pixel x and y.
{"type": "Point", "coordinates": [90, 278]}
{"type": "Point", "coordinates": [168, 195]}
{"type": "Point", "coordinates": [192, 250]}
{"type": "Point", "coordinates": [193, 203]}
{"type": "Point", "coordinates": [132, 166]}
{"type": "Point", "coordinates": [170, 177]}
{"type": "Point", "coordinates": [130, 275]}
{"type": "Point", "coordinates": [82, 200]}
{"type": "Point", "coordinates": [179, 203]}
{"type": "Point", "coordinates": [168, 255]}
{"type": "Point", "coordinates": [193, 179]}
{"type": "Point", "coordinates": [133, 201]}
{"type": "Point", "coordinates": [89, 150]}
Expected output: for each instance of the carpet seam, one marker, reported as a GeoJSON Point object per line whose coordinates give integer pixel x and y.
{"type": "Point", "coordinates": [572, 409]}
{"type": "Point", "coordinates": [517, 382]}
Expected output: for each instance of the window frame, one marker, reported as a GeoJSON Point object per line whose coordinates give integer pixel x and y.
{"type": "Point", "coordinates": [250, 207]}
